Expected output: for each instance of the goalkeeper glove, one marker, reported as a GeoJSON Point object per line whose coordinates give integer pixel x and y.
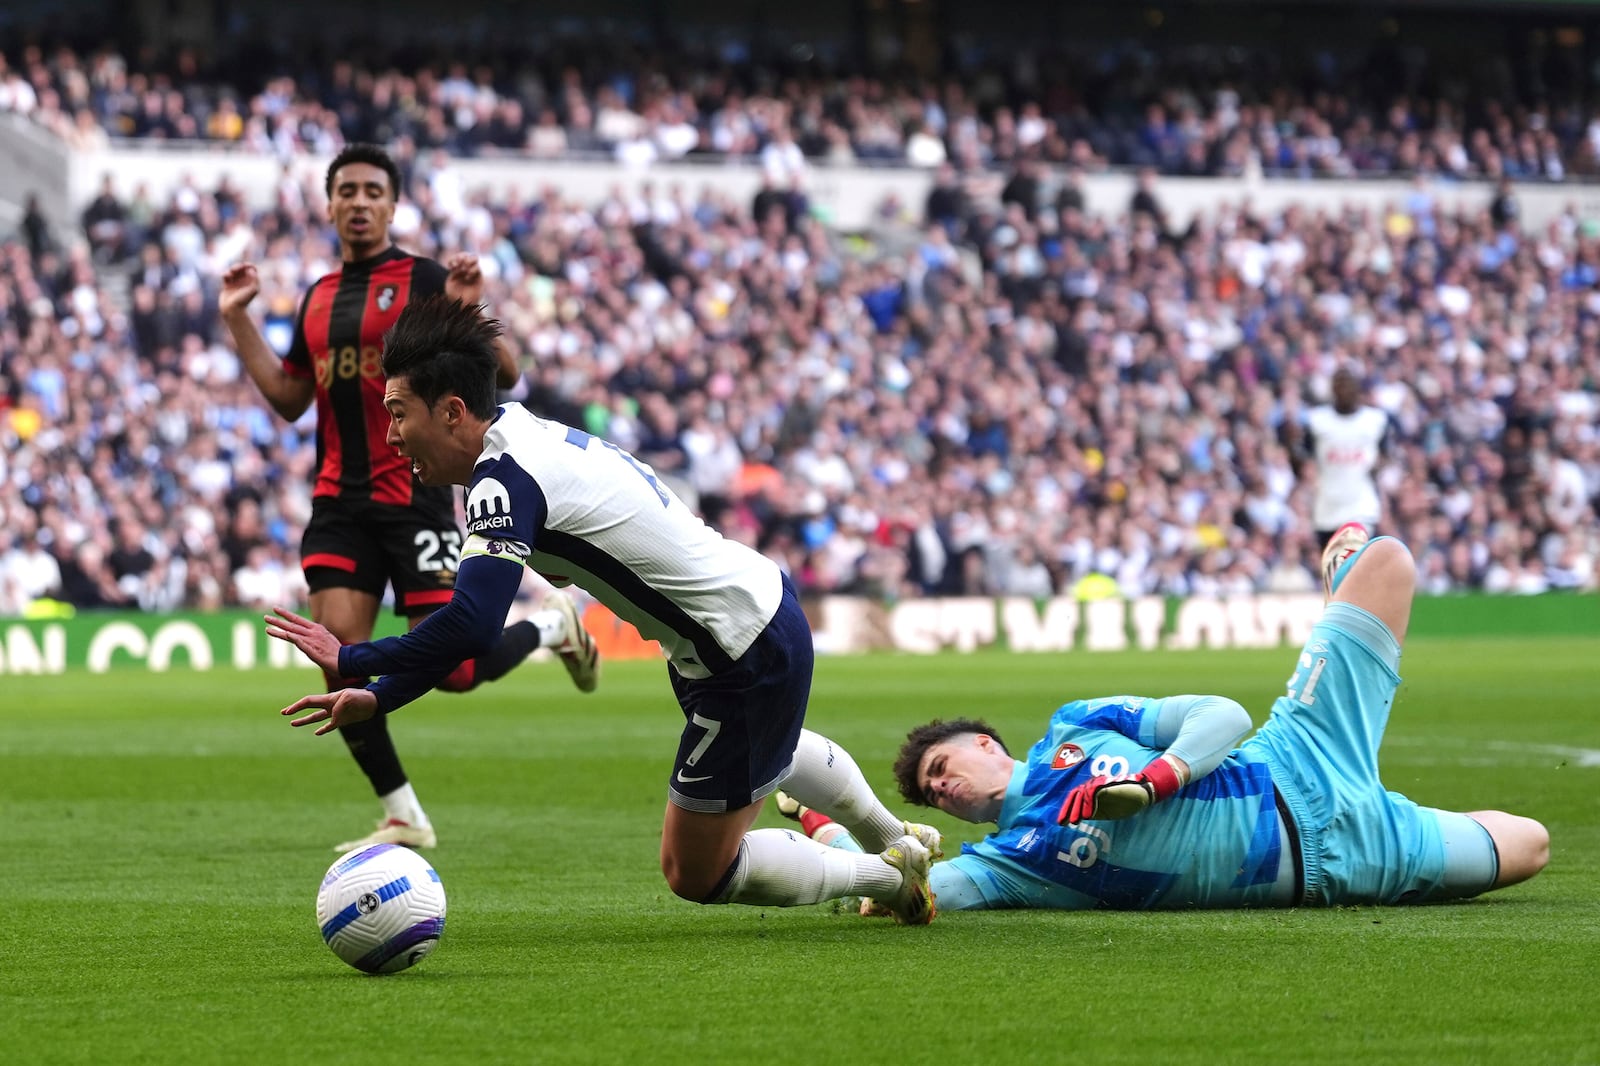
{"type": "Point", "coordinates": [1121, 797]}
{"type": "Point", "coordinates": [788, 806]}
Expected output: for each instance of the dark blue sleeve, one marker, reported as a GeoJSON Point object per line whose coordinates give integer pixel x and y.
{"type": "Point", "coordinates": [462, 629]}
{"type": "Point", "coordinates": [396, 690]}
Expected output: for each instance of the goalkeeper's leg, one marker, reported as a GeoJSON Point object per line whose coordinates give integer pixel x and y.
{"type": "Point", "coordinates": [825, 830]}
{"type": "Point", "coordinates": [1380, 578]}
{"type": "Point", "coordinates": [815, 824]}
{"type": "Point", "coordinates": [1521, 845]}
{"type": "Point", "coordinates": [826, 778]}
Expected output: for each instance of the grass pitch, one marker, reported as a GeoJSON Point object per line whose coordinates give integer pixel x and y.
{"type": "Point", "coordinates": [165, 835]}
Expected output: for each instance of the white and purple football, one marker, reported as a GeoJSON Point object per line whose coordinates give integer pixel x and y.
{"type": "Point", "coordinates": [381, 908]}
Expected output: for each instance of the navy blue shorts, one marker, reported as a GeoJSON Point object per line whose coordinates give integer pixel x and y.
{"type": "Point", "coordinates": [742, 726]}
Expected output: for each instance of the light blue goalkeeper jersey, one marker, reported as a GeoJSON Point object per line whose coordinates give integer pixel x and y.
{"type": "Point", "coordinates": [1217, 843]}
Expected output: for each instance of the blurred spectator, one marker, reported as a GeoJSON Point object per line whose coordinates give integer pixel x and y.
{"type": "Point", "coordinates": [1145, 205]}
{"type": "Point", "coordinates": [266, 579]}
{"type": "Point", "coordinates": [1503, 209]}
{"type": "Point", "coordinates": [88, 581]}
{"type": "Point", "coordinates": [547, 139]}
{"type": "Point", "coordinates": [29, 571]}
{"type": "Point", "coordinates": [926, 149]}
{"type": "Point", "coordinates": [782, 161]}
{"type": "Point", "coordinates": [104, 222]}
{"type": "Point", "coordinates": [35, 229]}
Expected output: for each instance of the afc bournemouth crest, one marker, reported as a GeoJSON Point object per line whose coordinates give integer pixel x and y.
{"type": "Point", "coordinates": [386, 297]}
{"type": "Point", "coordinates": [1067, 755]}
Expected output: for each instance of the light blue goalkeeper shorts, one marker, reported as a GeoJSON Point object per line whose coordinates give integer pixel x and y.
{"type": "Point", "coordinates": [1360, 843]}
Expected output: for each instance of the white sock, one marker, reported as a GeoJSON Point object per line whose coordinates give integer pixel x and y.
{"type": "Point", "coordinates": [827, 778]}
{"type": "Point", "coordinates": [781, 868]}
{"type": "Point", "coordinates": [552, 628]}
{"type": "Point", "coordinates": [403, 806]}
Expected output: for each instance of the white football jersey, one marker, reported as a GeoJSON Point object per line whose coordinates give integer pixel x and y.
{"type": "Point", "coordinates": [582, 511]}
{"type": "Point", "coordinates": [1347, 450]}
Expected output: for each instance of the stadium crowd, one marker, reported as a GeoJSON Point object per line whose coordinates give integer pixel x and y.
{"type": "Point", "coordinates": [1182, 110]}
{"type": "Point", "coordinates": [998, 397]}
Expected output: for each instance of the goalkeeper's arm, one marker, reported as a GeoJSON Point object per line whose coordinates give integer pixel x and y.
{"type": "Point", "coordinates": [1197, 733]}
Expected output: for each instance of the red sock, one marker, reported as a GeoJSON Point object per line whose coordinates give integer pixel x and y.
{"type": "Point", "coordinates": [811, 821]}
{"type": "Point", "coordinates": [462, 678]}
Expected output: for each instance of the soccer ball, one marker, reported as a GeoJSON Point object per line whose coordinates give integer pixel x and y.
{"type": "Point", "coordinates": [381, 908]}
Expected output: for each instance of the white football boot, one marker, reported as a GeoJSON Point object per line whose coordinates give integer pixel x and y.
{"type": "Point", "coordinates": [1345, 542]}
{"type": "Point", "coordinates": [394, 831]}
{"type": "Point", "coordinates": [577, 649]}
{"type": "Point", "coordinates": [914, 903]}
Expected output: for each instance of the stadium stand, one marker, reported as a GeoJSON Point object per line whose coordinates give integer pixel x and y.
{"type": "Point", "coordinates": [969, 397]}
{"type": "Point", "coordinates": [1180, 109]}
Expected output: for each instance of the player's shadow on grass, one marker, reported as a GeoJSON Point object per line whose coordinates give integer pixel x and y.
{"type": "Point", "coordinates": [557, 937]}
{"type": "Point", "coordinates": [344, 974]}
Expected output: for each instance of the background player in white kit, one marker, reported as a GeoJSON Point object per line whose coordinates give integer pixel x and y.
{"type": "Point", "coordinates": [1345, 440]}
{"type": "Point", "coordinates": [580, 510]}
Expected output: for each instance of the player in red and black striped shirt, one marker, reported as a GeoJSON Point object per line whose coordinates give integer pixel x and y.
{"type": "Point", "coordinates": [372, 523]}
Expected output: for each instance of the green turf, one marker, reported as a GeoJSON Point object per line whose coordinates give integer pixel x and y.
{"type": "Point", "coordinates": [165, 835]}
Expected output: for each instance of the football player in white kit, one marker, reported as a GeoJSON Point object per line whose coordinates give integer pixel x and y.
{"type": "Point", "coordinates": [580, 510]}
{"type": "Point", "coordinates": [1346, 442]}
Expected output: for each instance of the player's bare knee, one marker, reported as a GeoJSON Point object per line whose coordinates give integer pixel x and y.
{"type": "Point", "coordinates": [1521, 844]}
{"type": "Point", "coordinates": [692, 889]}
{"type": "Point", "coordinates": [1533, 844]}
{"type": "Point", "coordinates": [1382, 582]}
{"type": "Point", "coordinates": [691, 885]}
{"type": "Point", "coordinates": [1390, 560]}
{"type": "Point", "coordinates": [701, 882]}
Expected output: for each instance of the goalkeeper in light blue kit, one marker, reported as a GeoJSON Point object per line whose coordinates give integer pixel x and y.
{"type": "Point", "coordinates": [1134, 803]}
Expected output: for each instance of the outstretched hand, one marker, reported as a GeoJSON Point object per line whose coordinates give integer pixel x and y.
{"type": "Point", "coordinates": [334, 709]}
{"type": "Point", "coordinates": [464, 281]}
{"type": "Point", "coordinates": [312, 638]}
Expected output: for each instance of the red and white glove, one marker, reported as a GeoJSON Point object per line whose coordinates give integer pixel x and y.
{"type": "Point", "coordinates": [1121, 797]}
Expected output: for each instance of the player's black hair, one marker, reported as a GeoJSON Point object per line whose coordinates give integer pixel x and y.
{"type": "Point", "coordinates": [370, 154]}
{"type": "Point", "coordinates": [920, 739]}
{"type": "Point", "coordinates": [443, 347]}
